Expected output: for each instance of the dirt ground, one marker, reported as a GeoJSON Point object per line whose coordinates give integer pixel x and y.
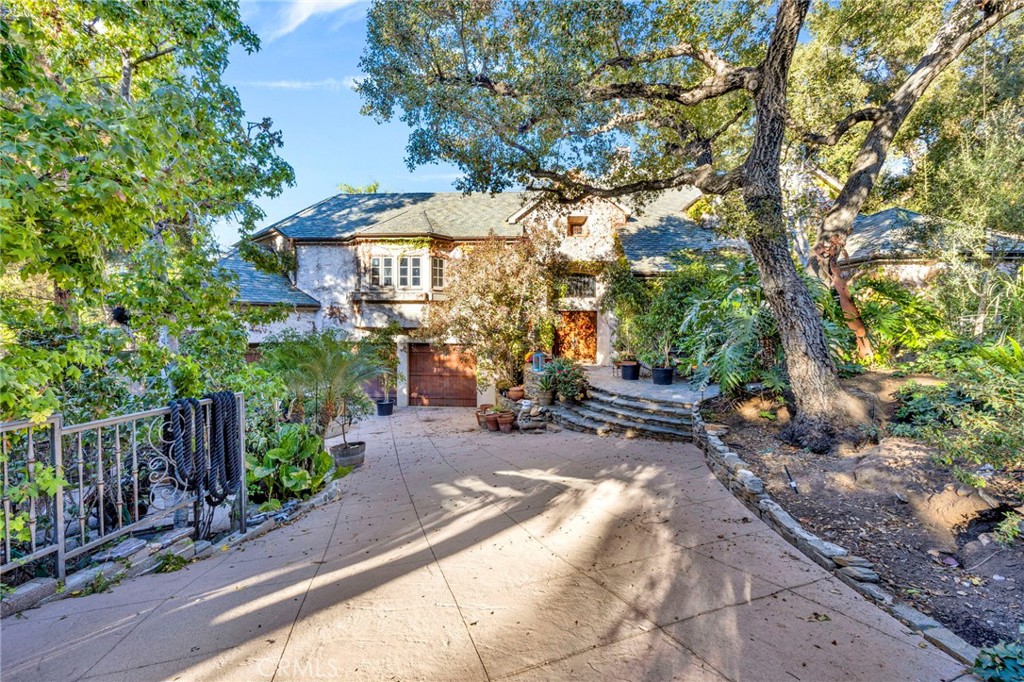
{"type": "Point", "coordinates": [929, 536]}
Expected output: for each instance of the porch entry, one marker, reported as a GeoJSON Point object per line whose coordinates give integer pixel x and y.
{"type": "Point", "coordinates": [441, 376]}
{"type": "Point", "coordinates": [576, 336]}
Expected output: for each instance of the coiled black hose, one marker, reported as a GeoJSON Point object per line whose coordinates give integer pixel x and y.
{"type": "Point", "coordinates": [223, 478]}
{"type": "Point", "coordinates": [184, 440]}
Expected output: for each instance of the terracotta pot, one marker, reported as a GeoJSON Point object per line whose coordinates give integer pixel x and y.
{"type": "Point", "coordinates": [481, 418]}
{"type": "Point", "coordinates": [491, 420]}
{"type": "Point", "coordinates": [516, 393]}
{"type": "Point", "coordinates": [546, 398]}
{"type": "Point", "coordinates": [505, 427]}
{"type": "Point", "coordinates": [506, 417]}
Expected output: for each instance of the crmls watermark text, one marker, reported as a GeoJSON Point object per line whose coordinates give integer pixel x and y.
{"type": "Point", "coordinates": [306, 669]}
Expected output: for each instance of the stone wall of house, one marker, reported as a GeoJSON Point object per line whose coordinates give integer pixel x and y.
{"type": "Point", "coordinates": [598, 241]}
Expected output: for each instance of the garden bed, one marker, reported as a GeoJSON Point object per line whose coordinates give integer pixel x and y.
{"type": "Point", "coordinates": [929, 536]}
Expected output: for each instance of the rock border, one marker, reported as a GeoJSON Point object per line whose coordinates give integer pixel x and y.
{"type": "Point", "coordinates": [855, 571]}
{"type": "Point", "coordinates": [133, 557]}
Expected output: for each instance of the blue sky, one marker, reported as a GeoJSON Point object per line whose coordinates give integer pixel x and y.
{"type": "Point", "coordinates": [302, 78]}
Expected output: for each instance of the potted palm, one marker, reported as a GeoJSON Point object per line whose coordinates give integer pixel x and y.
{"type": "Point", "coordinates": [328, 368]}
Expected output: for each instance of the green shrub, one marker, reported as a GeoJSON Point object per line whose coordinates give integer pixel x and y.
{"type": "Point", "coordinates": [566, 378]}
{"type": "Point", "coordinates": [295, 466]}
{"type": "Point", "coordinates": [898, 319]}
{"type": "Point", "coordinates": [1003, 662]}
{"type": "Point", "coordinates": [976, 417]}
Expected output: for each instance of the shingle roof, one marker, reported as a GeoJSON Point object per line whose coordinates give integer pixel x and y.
{"type": "Point", "coordinates": [892, 233]}
{"type": "Point", "coordinates": [262, 288]}
{"type": "Point", "coordinates": [445, 214]}
{"type": "Point", "coordinates": [899, 233]}
{"type": "Point", "coordinates": [663, 228]}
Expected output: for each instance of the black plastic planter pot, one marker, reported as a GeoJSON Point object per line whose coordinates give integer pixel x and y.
{"type": "Point", "coordinates": [385, 408]}
{"type": "Point", "coordinates": [630, 371]}
{"type": "Point", "coordinates": [662, 376]}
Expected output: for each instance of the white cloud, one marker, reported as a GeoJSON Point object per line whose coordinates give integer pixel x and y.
{"type": "Point", "coordinates": [294, 13]}
{"type": "Point", "coordinates": [347, 83]}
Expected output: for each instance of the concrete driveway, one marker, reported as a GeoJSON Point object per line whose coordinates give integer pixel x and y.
{"type": "Point", "coordinates": [462, 555]}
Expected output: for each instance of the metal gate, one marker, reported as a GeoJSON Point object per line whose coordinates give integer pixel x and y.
{"type": "Point", "coordinates": [95, 482]}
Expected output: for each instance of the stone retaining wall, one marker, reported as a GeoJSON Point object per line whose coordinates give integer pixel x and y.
{"type": "Point", "coordinates": [857, 572]}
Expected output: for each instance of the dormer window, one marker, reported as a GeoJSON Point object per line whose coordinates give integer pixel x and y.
{"type": "Point", "coordinates": [575, 226]}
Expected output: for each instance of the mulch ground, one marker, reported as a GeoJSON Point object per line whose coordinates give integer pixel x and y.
{"type": "Point", "coordinates": [929, 536]}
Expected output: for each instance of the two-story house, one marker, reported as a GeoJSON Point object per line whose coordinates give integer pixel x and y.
{"type": "Point", "coordinates": [364, 259]}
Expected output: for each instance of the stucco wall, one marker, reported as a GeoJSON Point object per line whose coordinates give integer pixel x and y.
{"type": "Point", "coordinates": [598, 241]}
{"type": "Point", "coordinates": [301, 321]}
{"type": "Point", "coordinates": [328, 274]}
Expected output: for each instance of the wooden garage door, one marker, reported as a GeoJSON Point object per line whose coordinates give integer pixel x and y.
{"type": "Point", "coordinates": [441, 376]}
{"type": "Point", "coordinates": [576, 336]}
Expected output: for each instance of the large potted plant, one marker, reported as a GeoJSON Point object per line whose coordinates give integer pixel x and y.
{"type": "Point", "coordinates": [382, 345]}
{"type": "Point", "coordinates": [659, 358]}
{"type": "Point", "coordinates": [327, 369]}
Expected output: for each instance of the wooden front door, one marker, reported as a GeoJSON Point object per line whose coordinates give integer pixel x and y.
{"type": "Point", "coordinates": [441, 376]}
{"type": "Point", "coordinates": [576, 336]}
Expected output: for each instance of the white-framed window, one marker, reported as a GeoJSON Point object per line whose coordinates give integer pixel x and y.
{"type": "Point", "coordinates": [437, 272]}
{"type": "Point", "coordinates": [381, 271]}
{"type": "Point", "coordinates": [409, 271]}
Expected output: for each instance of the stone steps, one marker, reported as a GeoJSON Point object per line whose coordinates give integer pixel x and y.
{"type": "Point", "coordinates": [673, 419]}
{"type": "Point", "coordinates": [644, 404]}
{"type": "Point", "coordinates": [580, 417]}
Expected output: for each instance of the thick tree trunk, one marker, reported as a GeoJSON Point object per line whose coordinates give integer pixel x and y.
{"type": "Point", "coordinates": [824, 411]}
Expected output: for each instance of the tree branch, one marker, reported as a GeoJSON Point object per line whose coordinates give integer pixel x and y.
{"type": "Point", "coordinates": [704, 55]}
{"type": "Point", "coordinates": [153, 55]}
{"type": "Point", "coordinates": [703, 178]}
{"type": "Point", "coordinates": [713, 86]}
{"type": "Point", "coordinates": [968, 21]}
{"type": "Point", "coordinates": [873, 114]}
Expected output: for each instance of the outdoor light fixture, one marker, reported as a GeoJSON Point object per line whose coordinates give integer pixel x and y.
{"type": "Point", "coordinates": [538, 361]}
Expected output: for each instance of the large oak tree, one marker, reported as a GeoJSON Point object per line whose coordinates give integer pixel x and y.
{"type": "Point", "coordinates": [609, 98]}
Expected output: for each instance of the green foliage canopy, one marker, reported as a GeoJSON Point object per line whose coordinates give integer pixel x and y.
{"type": "Point", "coordinates": [120, 148]}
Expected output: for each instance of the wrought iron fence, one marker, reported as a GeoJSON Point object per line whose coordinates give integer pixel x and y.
{"type": "Point", "coordinates": [68, 490]}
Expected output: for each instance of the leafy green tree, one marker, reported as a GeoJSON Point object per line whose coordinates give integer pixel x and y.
{"type": "Point", "coordinates": [610, 98]}
{"type": "Point", "coordinates": [120, 147]}
{"type": "Point", "coordinates": [501, 293]}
